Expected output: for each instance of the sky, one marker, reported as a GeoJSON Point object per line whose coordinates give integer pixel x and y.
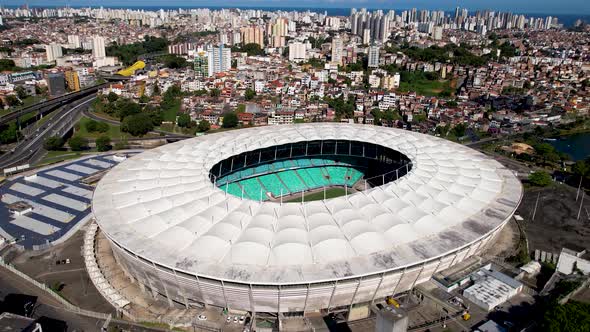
{"type": "Point", "coordinates": [578, 7]}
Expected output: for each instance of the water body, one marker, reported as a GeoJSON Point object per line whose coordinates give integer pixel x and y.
{"type": "Point", "coordinates": [577, 146]}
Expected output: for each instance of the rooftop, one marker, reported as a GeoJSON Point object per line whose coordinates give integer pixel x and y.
{"type": "Point", "coordinates": [162, 206]}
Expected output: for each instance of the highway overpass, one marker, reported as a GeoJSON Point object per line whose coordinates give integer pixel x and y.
{"type": "Point", "coordinates": [51, 104]}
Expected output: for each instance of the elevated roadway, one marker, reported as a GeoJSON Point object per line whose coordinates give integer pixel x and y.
{"type": "Point", "coordinates": [30, 149]}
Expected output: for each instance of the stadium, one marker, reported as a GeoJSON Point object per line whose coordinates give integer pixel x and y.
{"type": "Point", "coordinates": [300, 218]}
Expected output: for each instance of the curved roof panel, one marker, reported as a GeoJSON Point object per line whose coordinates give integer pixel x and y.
{"type": "Point", "coordinates": [161, 205]}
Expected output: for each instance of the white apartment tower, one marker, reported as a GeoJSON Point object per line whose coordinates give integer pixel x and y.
{"type": "Point", "coordinates": [53, 51]}
{"type": "Point", "coordinates": [219, 60]}
{"type": "Point", "coordinates": [337, 49]}
{"type": "Point", "coordinates": [297, 52]}
{"type": "Point", "coordinates": [373, 57]}
{"type": "Point", "coordinates": [98, 48]}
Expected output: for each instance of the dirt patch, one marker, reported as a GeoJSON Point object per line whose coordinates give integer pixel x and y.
{"type": "Point", "coordinates": [555, 225]}
{"type": "Point", "coordinates": [506, 242]}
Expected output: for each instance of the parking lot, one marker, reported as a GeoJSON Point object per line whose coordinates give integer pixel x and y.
{"type": "Point", "coordinates": [59, 199]}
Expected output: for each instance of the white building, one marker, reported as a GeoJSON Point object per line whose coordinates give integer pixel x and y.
{"type": "Point", "coordinates": [491, 288]}
{"type": "Point", "coordinates": [98, 48]}
{"type": "Point", "coordinates": [337, 47]}
{"type": "Point", "coordinates": [297, 52]}
{"type": "Point", "coordinates": [74, 41]}
{"type": "Point", "coordinates": [53, 51]}
{"type": "Point", "coordinates": [437, 33]}
{"type": "Point", "coordinates": [567, 259]}
{"type": "Point", "coordinates": [219, 60]}
{"type": "Point", "coordinates": [373, 57]}
{"type": "Point", "coordinates": [279, 118]}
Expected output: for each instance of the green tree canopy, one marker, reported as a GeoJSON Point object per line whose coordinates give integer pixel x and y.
{"type": "Point", "coordinates": [137, 124]}
{"type": "Point", "coordinates": [184, 120]}
{"type": "Point", "coordinates": [8, 133]}
{"type": "Point", "coordinates": [540, 179]}
{"type": "Point", "coordinates": [230, 120]}
{"type": "Point", "coordinates": [78, 143]}
{"type": "Point", "coordinates": [203, 126]}
{"type": "Point", "coordinates": [250, 94]}
{"type": "Point", "coordinates": [103, 143]}
{"type": "Point", "coordinates": [571, 317]}
{"type": "Point", "coordinates": [53, 143]}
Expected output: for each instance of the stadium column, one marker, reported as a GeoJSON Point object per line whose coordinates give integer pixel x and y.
{"type": "Point", "coordinates": [306, 297]}
{"type": "Point", "coordinates": [332, 296]}
{"type": "Point", "coordinates": [180, 290]}
{"type": "Point", "coordinates": [353, 296]}
{"type": "Point", "coordinates": [377, 289]}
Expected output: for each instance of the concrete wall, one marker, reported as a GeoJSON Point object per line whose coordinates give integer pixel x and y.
{"type": "Point", "coordinates": [182, 287]}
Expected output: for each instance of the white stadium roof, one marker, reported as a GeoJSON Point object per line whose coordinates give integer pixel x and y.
{"type": "Point", "coordinates": [162, 206]}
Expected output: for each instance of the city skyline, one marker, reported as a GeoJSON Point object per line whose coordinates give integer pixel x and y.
{"type": "Point", "coordinates": [573, 7]}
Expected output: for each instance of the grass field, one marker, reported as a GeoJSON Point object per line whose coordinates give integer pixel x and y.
{"type": "Point", "coordinates": [114, 132]}
{"type": "Point", "coordinates": [426, 87]}
{"type": "Point", "coordinates": [317, 196]}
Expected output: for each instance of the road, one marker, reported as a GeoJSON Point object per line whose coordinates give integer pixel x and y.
{"type": "Point", "coordinates": [60, 123]}
{"type": "Point", "coordinates": [52, 103]}
{"type": "Point", "coordinates": [50, 307]}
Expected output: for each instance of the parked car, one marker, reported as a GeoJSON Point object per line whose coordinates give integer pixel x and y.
{"type": "Point", "coordinates": [202, 317]}
{"type": "Point", "coordinates": [242, 319]}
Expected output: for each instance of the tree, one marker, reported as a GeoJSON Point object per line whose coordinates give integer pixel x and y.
{"type": "Point", "coordinates": [21, 92]}
{"type": "Point", "coordinates": [156, 90]}
{"type": "Point", "coordinates": [53, 143]}
{"type": "Point", "coordinates": [103, 143]}
{"type": "Point", "coordinates": [203, 126]}
{"type": "Point", "coordinates": [241, 108]}
{"type": "Point", "coordinates": [126, 107]}
{"type": "Point", "coordinates": [184, 120]}
{"type": "Point", "coordinates": [215, 93]}
{"type": "Point", "coordinates": [11, 100]}
{"type": "Point", "coordinates": [581, 168]}
{"type": "Point", "coordinates": [546, 151]}
{"type": "Point", "coordinates": [540, 179]}
{"type": "Point", "coordinates": [459, 130]}
{"type": "Point", "coordinates": [571, 317]}
{"type": "Point", "coordinates": [230, 120]}
{"type": "Point", "coordinates": [8, 133]}
{"type": "Point", "coordinates": [112, 97]}
{"type": "Point", "coordinates": [250, 94]}
{"type": "Point", "coordinates": [78, 143]}
{"type": "Point", "coordinates": [137, 124]}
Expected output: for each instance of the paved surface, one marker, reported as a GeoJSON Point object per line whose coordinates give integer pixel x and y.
{"type": "Point", "coordinates": [28, 150]}
{"type": "Point", "coordinates": [59, 198]}
{"type": "Point", "coordinates": [73, 278]}
{"type": "Point", "coordinates": [46, 305]}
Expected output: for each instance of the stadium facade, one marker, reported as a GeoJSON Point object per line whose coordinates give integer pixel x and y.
{"type": "Point", "coordinates": [178, 229]}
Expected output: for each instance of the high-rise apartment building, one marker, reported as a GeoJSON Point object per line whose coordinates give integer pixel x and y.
{"type": "Point", "coordinates": [297, 52]}
{"type": "Point", "coordinates": [252, 35]}
{"type": "Point", "coordinates": [74, 41]}
{"type": "Point", "coordinates": [373, 57]}
{"type": "Point", "coordinates": [219, 60]}
{"type": "Point", "coordinates": [98, 48]}
{"type": "Point", "coordinates": [53, 51]}
{"type": "Point", "coordinates": [337, 49]}
{"type": "Point", "coordinates": [201, 64]}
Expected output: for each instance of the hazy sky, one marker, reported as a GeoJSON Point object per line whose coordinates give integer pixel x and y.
{"type": "Point", "coordinates": [580, 7]}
